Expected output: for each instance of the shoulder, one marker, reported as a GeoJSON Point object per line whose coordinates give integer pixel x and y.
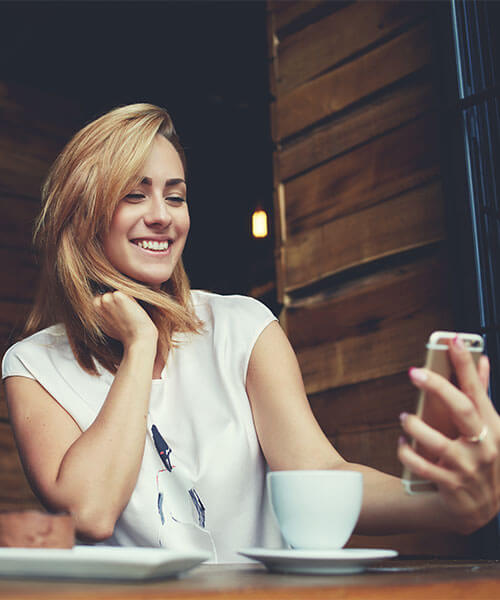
{"type": "Point", "coordinates": [232, 325]}
{"type": "Point", "coordinates": [234, 319]}
{"type": "Point", "coordinates": [230, 305]}
{"type": "Point", "coordinates": [50, 337]}
{"type": "Point", "coordinates": [33, 348]}
{"type": "Point", "coordinates": [230, 308]}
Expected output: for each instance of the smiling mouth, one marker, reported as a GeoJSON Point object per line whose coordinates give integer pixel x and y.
{"type": "Point", "coordinates": [153, 245]}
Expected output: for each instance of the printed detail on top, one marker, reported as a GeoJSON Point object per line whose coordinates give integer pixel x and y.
{"type": "Point", "coordinates": [177, 500]}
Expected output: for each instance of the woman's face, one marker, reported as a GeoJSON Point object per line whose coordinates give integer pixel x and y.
{"type": "Point", "coordinates": [150, 225]}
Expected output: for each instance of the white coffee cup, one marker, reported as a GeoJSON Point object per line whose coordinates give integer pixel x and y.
{"type": "Point", "coordinates": [316, 509]}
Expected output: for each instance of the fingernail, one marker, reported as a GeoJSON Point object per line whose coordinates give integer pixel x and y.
{"type": "Point", "coordinates": [458, 343]}
{"type": "Point", "coordinates": [401, 440]}
{"type": "Point", "coordinates": [417, 374]}
{"type": "Point", "coordinates": [403, 416]}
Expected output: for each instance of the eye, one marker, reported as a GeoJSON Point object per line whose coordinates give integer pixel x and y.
{"type": "Point", "coordinates": [134, 197]}
{"type": "Point", "coordinates": [175, 200]}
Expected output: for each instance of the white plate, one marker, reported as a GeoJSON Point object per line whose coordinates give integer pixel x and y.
{"type": "Point", "coordinates": [97, 562]}
{"type": "Point", "coordinates": [318, 562]}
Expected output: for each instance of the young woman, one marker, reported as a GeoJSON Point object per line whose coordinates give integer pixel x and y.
{"type": "Point", "coordinates": [151, 412]}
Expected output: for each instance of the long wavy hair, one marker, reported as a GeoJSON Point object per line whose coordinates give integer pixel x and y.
{"type": "Point", "coordinates": [100, 165]}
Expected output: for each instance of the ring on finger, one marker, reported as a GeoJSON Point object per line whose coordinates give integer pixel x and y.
{"type": "Point", "coordinates": [476, 439]}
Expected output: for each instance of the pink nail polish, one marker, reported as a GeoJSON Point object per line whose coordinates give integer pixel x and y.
{"type": "Point", "coordinates": [458, 343]}
{"type": "Point", "coordinates": [403, 416]}
{"type": "Point", "coordinates": [401, 440]}
{"type": "Point", "coordinates": [417, 374]}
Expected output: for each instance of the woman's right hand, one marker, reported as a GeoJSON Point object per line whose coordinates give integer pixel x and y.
{"type": "Point", "coordinates": [124, 319]}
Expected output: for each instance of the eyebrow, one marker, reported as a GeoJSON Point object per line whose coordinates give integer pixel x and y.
{"type": "Point", "coordinates": [168, 183]}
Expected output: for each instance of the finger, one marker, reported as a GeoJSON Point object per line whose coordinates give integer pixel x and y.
{"type": "Point", "coordinates": [458, 455]}
{"type": "Point", "coordinates": [98, 304]}
{"type": "Point", "coordinates": [483, 369]}
{"type": "Point", "coordinates": [120, 299]}
{"type": "Point", "coordinates": [462, 410]}
{"type": "Point", "coordinates": [466, 371]}
{"type": "Point", "coordinates": [424, 468]}
{"type": "Point", "coordinates": [431, 440]}
{"type": "Point", "coordinates": [473, 380]}
{"type": "Point", "coordinates": [471, 470]}
{"type": "Point", "coordinates": [107, 299]}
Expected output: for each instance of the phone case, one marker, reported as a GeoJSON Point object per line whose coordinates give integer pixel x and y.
{"type": "Point", "coordinates": [432, 411]}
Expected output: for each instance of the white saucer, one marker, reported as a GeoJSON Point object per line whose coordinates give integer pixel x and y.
{"type": "Point", "coordinates": [97, 562]}
{"type": "Point", "coordinates": [318, 562]}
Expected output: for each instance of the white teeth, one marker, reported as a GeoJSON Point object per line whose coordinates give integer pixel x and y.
{"type": "Point", "coordinates": [153, 245]}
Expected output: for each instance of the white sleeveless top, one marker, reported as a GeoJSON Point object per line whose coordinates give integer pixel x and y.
{"type": "Point", "coordinates": [201, 485]}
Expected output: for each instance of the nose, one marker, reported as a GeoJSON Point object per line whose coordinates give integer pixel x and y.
{"type": "Point", "coordinates": [157, 213]}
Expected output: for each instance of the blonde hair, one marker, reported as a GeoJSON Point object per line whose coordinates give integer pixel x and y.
{"type": "Point", "coordinates": [100, 165]}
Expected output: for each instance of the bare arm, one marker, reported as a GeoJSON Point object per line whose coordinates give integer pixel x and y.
{"type": "Point", "coordinates": [291, 438]}
{"type": "Point", "coordinates": [91, 474]}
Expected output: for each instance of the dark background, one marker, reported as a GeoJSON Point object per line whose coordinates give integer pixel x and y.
{"type": "Point", "coordinates": [206, 62]}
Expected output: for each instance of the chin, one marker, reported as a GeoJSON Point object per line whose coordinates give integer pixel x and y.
{"type": "Point", "coordinates": [151, 282]}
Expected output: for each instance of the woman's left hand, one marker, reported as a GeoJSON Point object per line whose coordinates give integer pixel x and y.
{"type": "Point", "coordinates": [467, 469]}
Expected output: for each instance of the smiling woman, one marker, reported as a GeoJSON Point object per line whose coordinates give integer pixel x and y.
{"type": "Point", "coordinates": [149, 227]}
{"type": "Point", "coordinates": [120, 180]}
{"type": "Point", "coordinates": [151, 411]}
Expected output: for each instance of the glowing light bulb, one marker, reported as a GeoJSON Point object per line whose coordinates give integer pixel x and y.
{"type": "Point", "coordinates": [259, 223]}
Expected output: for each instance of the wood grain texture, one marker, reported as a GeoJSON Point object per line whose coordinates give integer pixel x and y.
{"type": "Point", "coordinates": [15, 489]}
{"type": "Point", "coordinates": [357, 127]}
{"type": "Point", "coordinates": [391, 350]}
{"type": "Point", "coordinates": [12, 318]}
{"type": "Point", "coordinates": [375, 447]}
{"type": "Point", "coordinates": [417, 544]}
{"type": "Point", "coordinates": [272, 49]}
{"type": "Point", "coordinates": [18, 217]}
{"type": "Point", "coordinates": [18, 274]}
{"type": "Point", "coordinates": [34, 126]}
{"type": "Point", "coordinates": [41, 144]}
{"type": "Point", "coordinates": [35, 111]}
{"type": "Point", "coordinates": [368, 73]}
{"type": "Point", "coordinates": [280, 238]}
{"type": "Point", "coordinates": [17, 159]}
{"type": "Point", "coordinates": [361, 218]}
{"type": "Point", "coordinates": [384, 167]}
{"type": "Point", "coordinates": [427, 579]}
{"type": "Point", "coordinates": [324, 44]}
{"type": "Point", "coordinates": [375, 403]}
{"type": "Point", "coordinates": [14, 180]}
{"type": "Point", "coordinates": [368, 303]}
{"type": "Point", "coordinates": [374, 328]}
{"type": "Point", "coordinates": [287, 11]}
{"type": "Point", "coordinates": [411, 220]}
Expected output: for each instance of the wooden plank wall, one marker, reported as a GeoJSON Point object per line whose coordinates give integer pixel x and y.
{"type": "Point", "coordinates": [33, 129]}
{"type": "Point", "coordinates": [361, 255]}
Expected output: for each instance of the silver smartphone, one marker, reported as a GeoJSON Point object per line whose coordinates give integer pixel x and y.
{"type": "Point", "coordinates": [430, 409]}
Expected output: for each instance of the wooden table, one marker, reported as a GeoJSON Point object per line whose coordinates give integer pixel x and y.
{"type": "Point", "coordinates": [425, 579]}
